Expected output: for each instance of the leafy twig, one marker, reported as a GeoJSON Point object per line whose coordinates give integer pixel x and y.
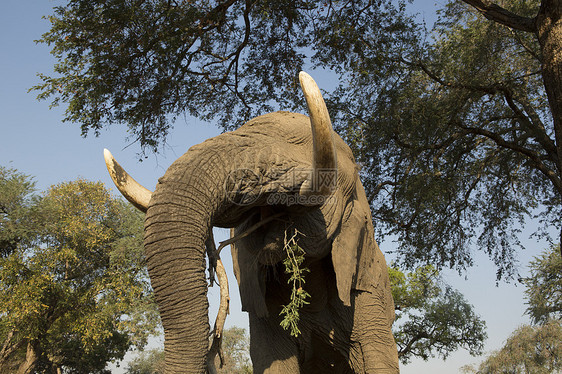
{"type": "Point", "coordinates": [293, 262]}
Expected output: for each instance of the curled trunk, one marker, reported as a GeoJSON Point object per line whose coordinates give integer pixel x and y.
{"type": "Point", "coordinates": [30, 361]}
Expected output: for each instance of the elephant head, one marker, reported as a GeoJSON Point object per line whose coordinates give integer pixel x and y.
{"type": "Point", "coordinates": [283, 165]}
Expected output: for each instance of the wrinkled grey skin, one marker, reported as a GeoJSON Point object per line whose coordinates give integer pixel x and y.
{"type": "Point", "coordinates": [235, 180]}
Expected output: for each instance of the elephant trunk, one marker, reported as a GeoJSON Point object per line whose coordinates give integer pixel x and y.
{"type": "Point", "coordinates": [178, 222]}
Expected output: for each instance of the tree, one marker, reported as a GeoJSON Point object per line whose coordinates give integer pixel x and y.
{"type": "Point", "coordinates": [459, 131]}
{"type": "Point", "coordinates": [431, 318]}
{"type": "Point", "coordinates": [15, 201]}
{"type": "Point", "coordinates": [144, 63]}
{"type": "Point", "coordinates": [15, 228]}
{"type": "Point", "coordinates": [74, 292]}
{"type": "Point", "coordinates": [235, 352]}
{"type": "Point", "coordinates": [460, 148]}
{"type": "Point", "coordinates": [534, 348]}
{"type": "Point", "coordinates": [544, 287]}
{"type": "Point", "coordinates": [147, 362]}
{"type": "Point", "coordinates": [530, 349]}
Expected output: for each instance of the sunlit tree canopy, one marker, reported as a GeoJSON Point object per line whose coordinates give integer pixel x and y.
{"type": "Point", "coordinates": [74, 292]}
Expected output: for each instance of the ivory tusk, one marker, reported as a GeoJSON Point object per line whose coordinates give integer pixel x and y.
{"type": "Point", "coordinates": [324, 150]}
{"type": "Point", "coordinates": [129, 188]}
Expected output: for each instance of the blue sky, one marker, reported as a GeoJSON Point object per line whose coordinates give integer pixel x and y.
{"type": "Point", "coordinates": [34, 140]}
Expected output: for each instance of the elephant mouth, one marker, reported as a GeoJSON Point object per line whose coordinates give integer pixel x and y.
{"type": "Point", "coordinates": [276, 226]}
{"type": "Point", "coordinates": [272, 246]}
{"type": "Point", "coordinates": [264, 223]}
{"type": "Point", "coordinates": [272, 252]}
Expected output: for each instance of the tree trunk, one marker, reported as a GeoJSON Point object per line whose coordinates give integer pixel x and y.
{"type": "Point", "coordinates": [27, 366]}
{"type": "Point", "coordinates": [549, 33]}
{"type": "Point", "coordinates": [8, 347]}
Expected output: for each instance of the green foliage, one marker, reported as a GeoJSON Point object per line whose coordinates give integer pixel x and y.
{"type": "Point", "coordinates": [431, 318]}
{"type": "Point", "coordinates": [236, 352]}
{"type": "Point", "coordinates": [293, 267]}
{"type": "Point", "coordinates": [15, 201]}
{"type": "Point", "coordinates": [457, 146]}
{"type": "Point", "coordinates": [530, 349]}
{"type": "Point", "coordinates": [412, 290]}
{"type": "Point", "coordinates": [544, 287]}
{"type": "Point", "coordinates": [147, 362]}
{"type": "Point", "coordinates": [74, 289]}
{"type": "Point", "coordinates": [534, 349]}
{"type": "Point", "coordinates": [145, 63]}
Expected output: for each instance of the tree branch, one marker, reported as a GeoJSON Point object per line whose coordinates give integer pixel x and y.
{"type": "Point", "coordinates": [496, 13]}
{"type": "Point", "coordinates": [215, 16]}
{"type": "Point", "coordinates": [535, 128]}
{"type": "Point", "coordinates": [9, 347]}
{"type": "Point", "coordinates": [408, 346]}
{"type": "Point", "coordinates": [247, 27]}
{"type": "Point", "coordinates": [486, 89]}
{"type": "Point", "coordinates": [250, 229]}
{"type": "Point", "coordinates": [532, 155]}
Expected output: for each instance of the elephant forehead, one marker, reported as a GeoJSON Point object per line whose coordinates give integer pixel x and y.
{"type": "Point", "coordinates": [276, 147]}
{"type": "Point", "coordinates": [284, 122]}
{"type": "Point", "coordinates": [273, 130]}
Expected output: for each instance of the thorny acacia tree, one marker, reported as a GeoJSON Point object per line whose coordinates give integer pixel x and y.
{"type": "Point", "coordinates": [459, 133]}
{"type": "Point", "coordinates": [74, 291]}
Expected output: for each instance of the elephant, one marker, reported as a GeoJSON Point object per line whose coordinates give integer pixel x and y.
{"type": "Point", "coordinates": [279, 174]}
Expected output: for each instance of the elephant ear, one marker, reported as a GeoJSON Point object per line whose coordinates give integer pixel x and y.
{"type": "Point", "coordinates": [251, 279]}
{"type": "Point", "coordinates": [355, 254]}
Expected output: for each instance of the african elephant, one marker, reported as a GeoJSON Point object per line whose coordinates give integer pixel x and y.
{"type": "Point", "coordinates": [289, 172]}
